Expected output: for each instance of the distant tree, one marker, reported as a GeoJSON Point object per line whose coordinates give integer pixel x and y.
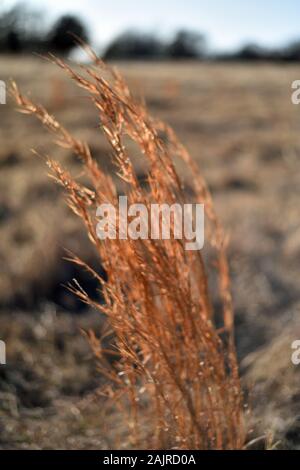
{"type": "Point", "coordinates": [292, 52]}
{"type": "Point", "coordinates": [21, 29]}
{"type": "Point", "coordinates": [60, 40]}
{"type": "Point", "coordinates": [13, 41]}
{"type": "Point", "coordinates": [251, 52]}
{"type": "Point", "coordinates": [134, 45]}
{"type": "Point", "coordinates": [187, 45]}
{"type": "Point", "coordinates": [11, 30]}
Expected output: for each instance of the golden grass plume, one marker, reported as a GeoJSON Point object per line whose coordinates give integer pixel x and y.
{"type": "Point", "coordinates": [175, 375]}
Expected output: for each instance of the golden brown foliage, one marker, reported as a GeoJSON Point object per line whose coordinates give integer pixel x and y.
{"type": "Point", "coordinates": [175, 375]}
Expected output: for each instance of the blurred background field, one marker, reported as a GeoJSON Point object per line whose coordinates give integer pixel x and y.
{"type": "Point", "coordinates": [237, 120]}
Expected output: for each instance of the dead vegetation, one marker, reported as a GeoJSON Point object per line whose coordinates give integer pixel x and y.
{"type": "Point", "coordinates": [176, 375]}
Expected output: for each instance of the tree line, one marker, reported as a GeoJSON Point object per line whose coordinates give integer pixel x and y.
{"type": "Point", "coordinates": [23, 30]}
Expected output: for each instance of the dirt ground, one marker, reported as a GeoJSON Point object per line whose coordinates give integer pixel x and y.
{"type": "Point", "coordinates": [239, 124]}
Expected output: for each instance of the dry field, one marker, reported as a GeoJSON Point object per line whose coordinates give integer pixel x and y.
{"type": "Point", "coordinates": [238, 123]}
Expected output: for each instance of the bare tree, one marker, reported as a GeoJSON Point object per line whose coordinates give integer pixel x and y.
{"type": "Point", "coordinates": [187, 45]}
{"type": "Point", "coordinates": [134, 45]}
{"type": "Point", "coordinates": [60, 37]}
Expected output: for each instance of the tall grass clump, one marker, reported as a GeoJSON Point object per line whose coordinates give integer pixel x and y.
{"type": "Point", "coordinates": [174, 373]}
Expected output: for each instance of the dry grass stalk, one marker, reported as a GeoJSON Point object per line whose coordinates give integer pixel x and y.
{"type": "Point", "coordinates": [175, 378]}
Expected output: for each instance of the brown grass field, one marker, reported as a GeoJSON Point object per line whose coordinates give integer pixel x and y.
{"type": "Point", "coordinates": [238, 123]}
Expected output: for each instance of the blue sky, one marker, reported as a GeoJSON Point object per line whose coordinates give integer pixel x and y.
{"type": "Point", "coordinates": [226, 23]}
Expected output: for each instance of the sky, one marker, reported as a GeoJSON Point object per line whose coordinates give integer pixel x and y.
{"type": "Point", "coordinates": [226, 23]}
